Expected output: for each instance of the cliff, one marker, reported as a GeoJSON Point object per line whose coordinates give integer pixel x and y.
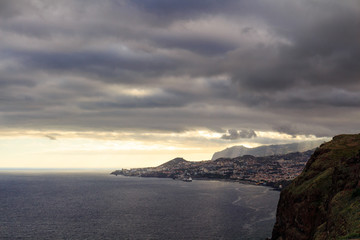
{"type": "Point", "coordinates": [323, 202]}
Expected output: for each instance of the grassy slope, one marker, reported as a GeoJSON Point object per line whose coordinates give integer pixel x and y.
{"type": "Point", "coordinates": [326, 196]}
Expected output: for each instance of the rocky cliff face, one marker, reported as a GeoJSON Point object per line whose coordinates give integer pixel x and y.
{"type": "Point", "coordinates": [324, 201]}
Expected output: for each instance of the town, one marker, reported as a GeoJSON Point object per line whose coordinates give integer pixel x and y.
{"type": "Point", "coordinates": [275, 171]}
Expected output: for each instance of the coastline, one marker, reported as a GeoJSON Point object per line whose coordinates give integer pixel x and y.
{"type": "Point", "coordinates": [212, 179]}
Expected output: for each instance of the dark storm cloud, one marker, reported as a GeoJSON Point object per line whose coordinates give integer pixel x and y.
{"type": "Point", "coordinates": [85, 61]}
{"type": "Point", "coordinates": [104, 65]}
{"type": "Point", "coordinates": [9, 9]}
{"type": "Point", "coordinates": [233, 134]}
{"type": "Point", "coordinates": [321, 51]}
{"type": "Point", "coordinates": [286, 65]}
{"type": "Point", "coordinates": [8, 82]}
{"type": "Point", "coordinates": [157, 100]}
{"type": "Point", "coordinates": [288, 129]}
{"type": "Point", "coordinates": [202, 45]}
{"type": "Point", "coordinates": [182, 8]}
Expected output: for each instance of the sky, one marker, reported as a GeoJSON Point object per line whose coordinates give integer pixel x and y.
{"type": "Point", "coordinates": [130, 83]}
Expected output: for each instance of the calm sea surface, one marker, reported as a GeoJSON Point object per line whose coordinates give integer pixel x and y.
{"type": "Point", "coordinates": [102, 206]}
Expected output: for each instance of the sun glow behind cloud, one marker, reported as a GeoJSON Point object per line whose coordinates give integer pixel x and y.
{"type": "Point", "coordinates": [54, 149]}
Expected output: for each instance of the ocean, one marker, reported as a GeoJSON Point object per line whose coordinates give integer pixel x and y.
{"type": "Point", "coordinates": [40, 205]}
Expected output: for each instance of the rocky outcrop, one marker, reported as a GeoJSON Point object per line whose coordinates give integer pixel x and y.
{"type": "Point", "coordinates": [323, 202]}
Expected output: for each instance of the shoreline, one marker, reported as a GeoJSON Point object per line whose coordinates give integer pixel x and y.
{"type": "Point", "coordinates": [211, 179]}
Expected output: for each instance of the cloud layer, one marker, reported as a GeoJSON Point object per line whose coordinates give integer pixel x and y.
{"type": "Point", "coordinates": [233, 134]}
{"type": "Point", "coordinates": [286, 66]}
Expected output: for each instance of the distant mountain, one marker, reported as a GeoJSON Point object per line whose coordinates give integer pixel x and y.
{"type": "Point", "coordinates": [323, 202]}
{"type": "Point", "coordinates": [261, 151]}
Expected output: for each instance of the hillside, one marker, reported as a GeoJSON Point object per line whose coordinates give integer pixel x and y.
{"type": "Point", "coordinates": [175, 163]}
{"type": "Point", "coordinates": [274, 170]}
{"type": "Point", "coordinates": [261, 151]}
{"type": "Point", "coordinates": [323, 202]}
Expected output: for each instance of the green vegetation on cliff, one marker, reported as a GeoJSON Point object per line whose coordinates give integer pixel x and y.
{"type": "Point", "coordinates": [323, 202]}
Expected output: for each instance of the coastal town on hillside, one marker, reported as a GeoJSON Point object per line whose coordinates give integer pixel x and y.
{"type": "Point", "coordinates": [275, 170]}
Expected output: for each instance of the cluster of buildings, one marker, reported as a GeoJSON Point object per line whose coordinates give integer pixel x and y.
{"type": "Point", "coordinates": [273, 170]}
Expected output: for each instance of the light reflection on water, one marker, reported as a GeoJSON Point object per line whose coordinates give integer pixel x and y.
{"type": "Point", "coordinates": [99, 206]}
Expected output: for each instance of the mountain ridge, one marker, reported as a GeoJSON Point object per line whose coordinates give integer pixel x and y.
{"type": "Point", "coordinates": [266, 150]}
